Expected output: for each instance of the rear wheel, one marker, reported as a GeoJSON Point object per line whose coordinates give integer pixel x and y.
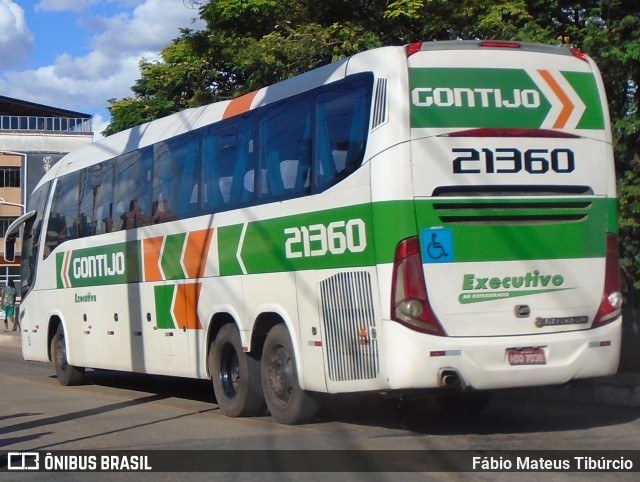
{"type": "Point", "coordinates": [67, 374]}
{"type": "Point", "coordinates": [235, 375]}
{"type": "Point", "coordinates": [287, 402]}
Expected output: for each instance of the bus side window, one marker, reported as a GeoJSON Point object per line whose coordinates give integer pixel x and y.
{"type": "Point", "coordinates": [132, 188]}
{"type": "Point", "coordinates": [285, 141]}
{"type": "Point", "coordinates": [342, 121]}
{"type": "Point", "coordinates": [243, 159]}
{"type": "Point", "coordinates": [216, 188]}
{"type": "Point", "coordinates": [63, 221]}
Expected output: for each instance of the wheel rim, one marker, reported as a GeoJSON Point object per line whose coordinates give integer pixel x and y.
{"type": "Point", "coordinates": [229, 371]}
{"type": "Point", "coordinates": [280, 374]}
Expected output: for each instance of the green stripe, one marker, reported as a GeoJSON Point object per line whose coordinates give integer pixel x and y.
{"type": "Point", "coordinates": [102, 265]}
{"type": "Point", "coordinates": [367, 234]}
{"type": "Point", "coordinates": [336, 238]}
{"type": "Point", "coordinates": [482, 230]}
{"type": "Point", "coordinates": [172, 257]}
{"type": "Point", "coordinates": [163, 295]}
{"type": "Point", "coordinates": [485, 97]}
{"type": "Point", "coordinates": [518, 233]}
{"type": "Point", "coordinates": [585, 86]}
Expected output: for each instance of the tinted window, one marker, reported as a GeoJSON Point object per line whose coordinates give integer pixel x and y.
{"type": "Point", "coordinates": [295, 147]}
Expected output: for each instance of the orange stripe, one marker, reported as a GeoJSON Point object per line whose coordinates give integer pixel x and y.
{"type": "Point", "coordinates": [567, 106]}
{"type": "Point", "coordinates": [239, 105]}
{"type": "Point", "coordinates": [65, 270]}
{"type": "Point", "coordinates": [196, 252]}
{"type": "Point", "coordinates": [152, 250]}
{"type": "Point", "coordinates": [186, 306]}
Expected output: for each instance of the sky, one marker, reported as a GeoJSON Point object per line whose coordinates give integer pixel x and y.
{"type": "Point", "coordinates": [78, 54]}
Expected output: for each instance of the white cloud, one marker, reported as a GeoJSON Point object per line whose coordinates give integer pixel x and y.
{"type": "Point", "coordinates": [16, 40]}
{"type": "Point", "coordinates": [149, 25]}
{"type": "Point", "coordinates": [85, 83]}
{"type": "Point", "coordinates": [61, 5]}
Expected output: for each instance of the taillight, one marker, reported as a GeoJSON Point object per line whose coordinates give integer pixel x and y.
{"type": "Point", "coordinates": [409, 301]}
{"type": "Point", "coordinates": [413, 48]}
{"type": "Point", "coordinates": [611, 305]}
{"type": "Point", "coordinates": [580, 54]}
{"type": "Point", "coordinates": [500, 44]}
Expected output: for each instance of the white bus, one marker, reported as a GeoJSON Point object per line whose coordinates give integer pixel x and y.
{"type": "Point", "coordinates": [435, 216]}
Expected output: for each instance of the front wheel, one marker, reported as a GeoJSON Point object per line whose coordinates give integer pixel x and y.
{"type": "Point", "coordinates": [235, 375]}
{"type": "Point", "coordinates": [67, 374]}
{"type": "Point", "coordinates": [287, 402]}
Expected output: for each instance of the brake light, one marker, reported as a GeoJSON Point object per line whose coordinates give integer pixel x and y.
{"type": "Point", "coordinates": [580, 54]}
{"type": "Point", "coordinates": [499, 44]}
{"type": "Point", "coordinates": [611, 305]}
{"type": "Point", "coordinates": [413, 48]}
{"type": "Point", "coordinates": [409, 301]}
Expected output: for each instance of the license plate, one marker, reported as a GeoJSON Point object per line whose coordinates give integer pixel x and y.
{"type": "Point", "coordinates": [526, 356]}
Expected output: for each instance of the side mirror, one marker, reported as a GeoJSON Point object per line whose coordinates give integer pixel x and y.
{"type": "Point", "coordinates": [10, 249]}
{"type": "Point", "coordinates": [13, 231]}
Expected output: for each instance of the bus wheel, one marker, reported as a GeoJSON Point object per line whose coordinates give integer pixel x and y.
{"type": "Point", "coordinates": [287, 402]}
{"type": "Point", "coordinates": [235, 375]}
{"type": "Point", "coordinates": [67, 374]}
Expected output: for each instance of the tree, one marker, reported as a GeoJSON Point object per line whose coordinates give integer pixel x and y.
{"type": "Point", "coordinates": [249, 44]}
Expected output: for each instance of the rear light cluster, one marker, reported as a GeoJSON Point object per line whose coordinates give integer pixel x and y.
{"type": "Point", "coordinates": [611, 305]}
{"type": "Point", "coordinates": [409, 301]}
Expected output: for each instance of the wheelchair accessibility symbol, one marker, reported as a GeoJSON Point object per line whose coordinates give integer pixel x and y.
{"type": "Point", "coordinates": [437, 245]}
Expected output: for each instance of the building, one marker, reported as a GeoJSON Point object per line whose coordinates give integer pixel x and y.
{"type": "Point", "coordinates": [33, 137]}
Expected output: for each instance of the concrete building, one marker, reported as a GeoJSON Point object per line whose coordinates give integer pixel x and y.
{"type": "Point", "coordinates": [33, 138]}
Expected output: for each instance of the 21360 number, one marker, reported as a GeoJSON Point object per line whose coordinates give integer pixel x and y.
{"type": "Point", "coordinates": [512, 161]}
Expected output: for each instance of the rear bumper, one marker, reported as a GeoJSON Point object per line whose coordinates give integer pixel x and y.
{"type": "Point", "coordinates": [414, 360]}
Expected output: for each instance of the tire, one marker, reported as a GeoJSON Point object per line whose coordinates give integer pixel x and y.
{"type": "Point", "coordinates": [235, 376]}
{"type": "Point", "coordinates": [463, 404]}
{"type": "Point", "coordinates": [287, 402]}
{"type": "Point", "coordinates": [67, 374]}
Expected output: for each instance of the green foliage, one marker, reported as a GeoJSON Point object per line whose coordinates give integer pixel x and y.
{"type": "Point", "coordinates": [252, 43]}
{"type": "Point", "coordinates": [629, 223]}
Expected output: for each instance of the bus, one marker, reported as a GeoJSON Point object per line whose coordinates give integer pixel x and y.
{"type": "Point", "coordinates": [431, 219]}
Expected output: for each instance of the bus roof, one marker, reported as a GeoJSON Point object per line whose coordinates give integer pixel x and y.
{"type": "Point", "coordinates": [189, 119]}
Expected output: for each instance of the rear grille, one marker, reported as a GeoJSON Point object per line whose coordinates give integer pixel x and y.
{"type": "Point", "coordinates": [487, 204]}
{"type": "Point", "coordinates": [511, 191]}
{"type": "Point", "coordinates": [500, 212]}
{"type": "Point", "coordinates": [349, 326]}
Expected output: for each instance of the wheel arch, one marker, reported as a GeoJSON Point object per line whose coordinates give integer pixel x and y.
{"type": "Point", "coordinates": [55, 320]}
{"type": "Point", "coordinates": [218, 320]}
{"type": "Point", "coordinates": [261, 327]}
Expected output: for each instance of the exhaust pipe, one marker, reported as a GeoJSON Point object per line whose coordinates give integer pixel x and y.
{"type": "Point", "coordinates": [450, 379]}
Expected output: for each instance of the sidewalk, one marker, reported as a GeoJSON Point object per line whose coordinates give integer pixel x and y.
{"type": "Point", "coordinates": [9, 338]}
{"type": "Point", "coordinates": [621, 389]}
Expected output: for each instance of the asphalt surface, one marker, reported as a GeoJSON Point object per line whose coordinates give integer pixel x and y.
{"type": "Point", "coordinates": [621, 389]}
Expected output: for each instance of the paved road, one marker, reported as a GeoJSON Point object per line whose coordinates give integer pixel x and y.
{"type": "Point", "coordinates": [134, 412]}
